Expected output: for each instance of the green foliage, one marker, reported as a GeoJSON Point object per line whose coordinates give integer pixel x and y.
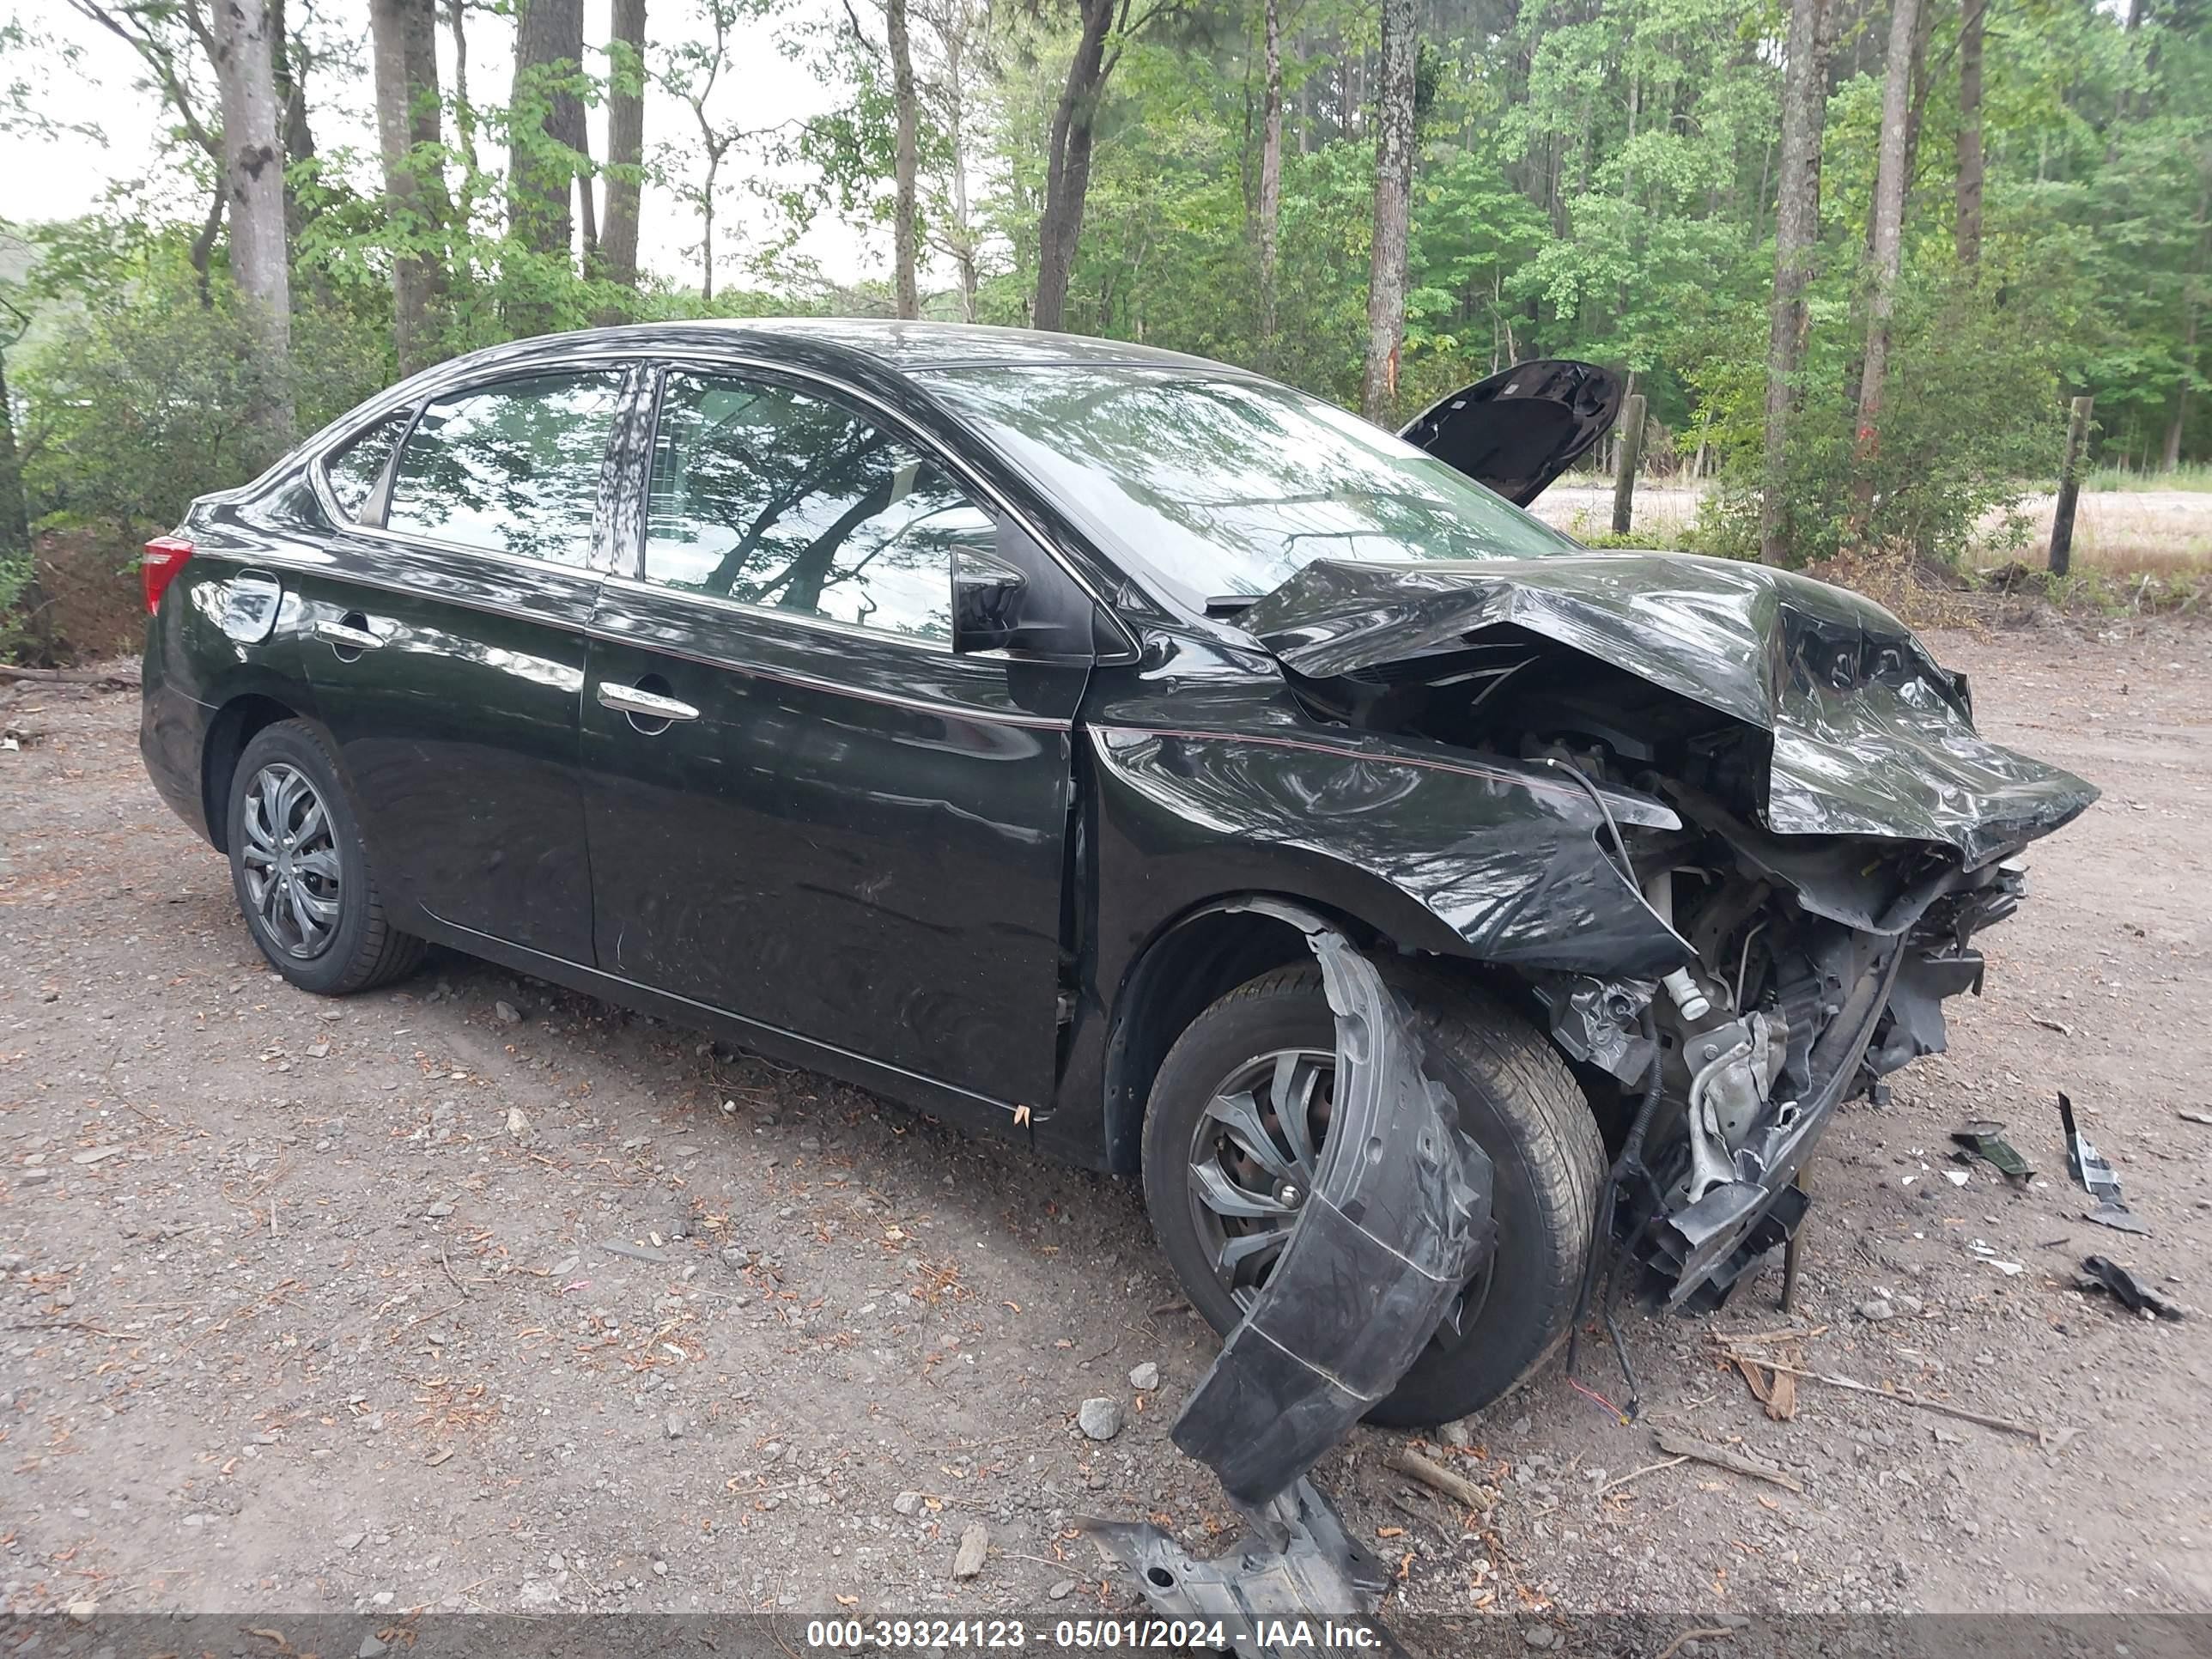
{"type": "Point", "coordinates": [139, 403]}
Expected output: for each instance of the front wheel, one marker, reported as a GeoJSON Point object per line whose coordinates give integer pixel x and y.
{"type": "Point", "coordinates": [299, 871]}
{"type": "Point", "coordinates": [1233, 1135]}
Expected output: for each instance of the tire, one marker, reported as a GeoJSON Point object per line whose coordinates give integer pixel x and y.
{"type": "Point", "coordinates": [334, 939]}
{"type": "Point", "coordinates": [1516, 1097]}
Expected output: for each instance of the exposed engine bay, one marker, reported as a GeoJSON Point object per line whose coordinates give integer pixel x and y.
{"type": "Point", "coordinates": [1792, 788]}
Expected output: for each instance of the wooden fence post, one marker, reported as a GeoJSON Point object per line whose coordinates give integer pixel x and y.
{"type": "Point", "coordinates": [2069, 489]}
{"type": "Point", "coordinates": [1632, 452]}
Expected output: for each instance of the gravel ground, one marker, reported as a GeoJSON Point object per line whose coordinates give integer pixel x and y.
{"type": "Point", "coordinates": [479, 1295]}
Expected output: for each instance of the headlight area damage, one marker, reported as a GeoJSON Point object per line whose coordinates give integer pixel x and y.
{"type": "Point", "coordinates": [1770, 836]}
{"type": "Point", "coordinates": [1842, 832]}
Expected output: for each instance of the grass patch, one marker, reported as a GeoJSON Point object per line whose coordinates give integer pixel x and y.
{"type": "Point", "coordinates": [2196, 478]}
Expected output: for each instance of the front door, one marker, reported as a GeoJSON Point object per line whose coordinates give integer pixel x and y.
{"type": "Point", "coordinates": [807, 809]}
{"type": "Point", "coordinates": [446, 647]}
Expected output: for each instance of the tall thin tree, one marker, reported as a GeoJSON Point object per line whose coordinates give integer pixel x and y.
{"type": "Point", "coordinates": [1796, 237]}
{"type": "Point", "coordinates": [1889, 180]}
{"type": "Point", "coordinates": [625, 171]}
{"type": "Point", "coordinates": [1067, 161]}
{"type": "Point", "coordinates": [1968, 234]}
{"type": "Point", "coordinates": [906, 160]}
{"type": "Point", "coordinates": [254, 180]}
{"type": "Point", "coordinates": [1269, 208]}
{"type": "Point", "coordinates": [545, 119]}
{"type": "Point", "coordinates": [1393, 186]}
{"type": "Point", "coordinates": [404, 43]}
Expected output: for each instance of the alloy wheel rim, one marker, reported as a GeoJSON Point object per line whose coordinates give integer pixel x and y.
{"type": "Point", "coordinates": [1255, 1158]}
{"type": "Point", "coordinates": [293, 884]}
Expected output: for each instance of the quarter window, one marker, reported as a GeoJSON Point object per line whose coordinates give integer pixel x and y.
{"type": "Point", "coordinates": [511, 468]}
{"type": "Point", "coordinates": [352, 471]}
{"type": "Point", "coordinates": [776, 498]}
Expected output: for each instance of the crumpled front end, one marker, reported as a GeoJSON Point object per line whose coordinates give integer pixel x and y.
{"type": "Point", "coordinates": [1841, 833]}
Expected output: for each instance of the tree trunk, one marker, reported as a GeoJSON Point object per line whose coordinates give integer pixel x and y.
{"type": "Point", "coordinates": [546, 116]}
{"type": "Point", "coordinates": [403, 38]}
{"type": "Point", "coordinates": [1796, 238]}
{"type": "Point", "coordinates": [464, 115]}
{"type": "Point", "coordinates": [906, 293]}
{"type": "Point", "coordinates": [625, 143]}
{"type": "Point", "coordinates": [1888, 246]}
{"type": "Point", "coordinates": [253, 177]}
{"type": "Point", "coordinates": [291, 74]}
{"type": "Point", "coordinates": [1271, 183]}
{"type": "Point", "coordinates": [1971, 14]}
{"type": "Point", "coordinates": [1067, 165]}
{"type": "Point", "coordinates": [1393, 186]}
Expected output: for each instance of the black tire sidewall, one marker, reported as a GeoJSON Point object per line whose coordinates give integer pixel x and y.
{"type": "Point", "coordinates": [295, 745]}
{"type": "Point", "coordinates": [1522, 1317]}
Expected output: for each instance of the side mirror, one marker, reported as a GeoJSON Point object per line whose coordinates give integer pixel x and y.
{"type": "Point", "coordinates": [986, 600]}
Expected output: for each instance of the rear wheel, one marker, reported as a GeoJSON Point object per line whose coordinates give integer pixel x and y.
{"type": "Point", "coordinates": [300, 871]}
{"type": "Point", "coordinates": [1240, 1114]}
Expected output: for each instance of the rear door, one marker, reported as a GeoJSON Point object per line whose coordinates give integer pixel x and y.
{"type": "Point", "coordinates": [806, 809]}
{"type": "Point", "coordinates": [446, 647]}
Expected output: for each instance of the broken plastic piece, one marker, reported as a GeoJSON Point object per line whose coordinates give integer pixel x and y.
{"type": "Point", "coordinates": [1984, 1139]}
{"type": "Point", "coordinates": [2125, 1287]}
{"type": "Point", "coordinates": [1396, 1224]}
{"type": "Point", "coordinates": [1298, 1565]}
{"type": "Point", "coordinates": [2098, 1177]}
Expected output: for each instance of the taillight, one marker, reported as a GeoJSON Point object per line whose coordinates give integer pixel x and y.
{"type": "Point", "coordinates": [165, 556]}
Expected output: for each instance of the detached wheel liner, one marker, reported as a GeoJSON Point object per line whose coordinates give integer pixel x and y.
{"type": "Point", "coordinates": [1242, 1105]}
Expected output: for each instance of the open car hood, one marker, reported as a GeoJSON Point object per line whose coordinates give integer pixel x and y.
{"type": "Point", "coordinates": [1517, 431]}
{"type": "Point", "coordinates": [1869, 736]}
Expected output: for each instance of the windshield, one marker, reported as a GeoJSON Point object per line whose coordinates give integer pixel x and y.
{"type": "Point", "coordinates": [1226, 487]}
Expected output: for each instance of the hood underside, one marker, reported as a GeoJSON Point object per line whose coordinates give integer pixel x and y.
{"type": "Point", "coordinates": [1517, 431]}
{"type": "Point", "coordinates": [1868, 736]}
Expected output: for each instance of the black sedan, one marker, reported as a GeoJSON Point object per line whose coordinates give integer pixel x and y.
{"type": "Point", "coordinates": [1064, 737]}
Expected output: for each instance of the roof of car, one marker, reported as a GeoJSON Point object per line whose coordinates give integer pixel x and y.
{"type": "Point", "coordinates": [911, 346]}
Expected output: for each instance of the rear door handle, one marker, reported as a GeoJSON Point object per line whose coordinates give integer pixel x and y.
{"type": "Point", "coordinates": [345, 638]}
{"type": "Point", "coordinates": [650, 705]}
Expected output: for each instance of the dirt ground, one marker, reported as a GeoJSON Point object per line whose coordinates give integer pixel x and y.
{"type": "Point", "coordinates": [477, 1295]}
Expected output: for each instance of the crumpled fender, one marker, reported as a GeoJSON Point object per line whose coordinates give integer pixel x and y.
{"type": "Point", "coordinates": [1499, 861]}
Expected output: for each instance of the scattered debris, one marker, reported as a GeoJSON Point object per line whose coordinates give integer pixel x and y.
{"type": "Point", "coordinates": [1297, 1564]}
{"type": "Point", "coordinates": [974, 1544]}
{"type": "Point", "coordinates": [2103, 1274]}
{"type": "Point", "coordinates": [1985, 1140]}
{"type": "Point", "coordinates": [1467, 1493]}
{"type": "Point", "coordinates": [1876, 1308]}
{"type": "Point", "coordinates": [2188, 1117]}
{"type": "Point", "coordinates": [2049, 1437]}
{"type": "Point", "coordinates": [2057, 1025]}
{"type": "Point", "coordinates": [634, 1252]}
{"type": "Point", "coordinates": [2098, 1177]}
{"type": "Point", "coordinates": [1777, 1391]}
{"type": "Point", "coordinates": [1685, 1445]}
{"type": "Point", "coordinates": [1145, 1377]}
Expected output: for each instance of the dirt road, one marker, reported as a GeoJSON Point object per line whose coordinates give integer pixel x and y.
{"type": "Point", "coordinates": [479, 1295]}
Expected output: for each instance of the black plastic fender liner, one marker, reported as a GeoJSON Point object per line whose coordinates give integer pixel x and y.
{"type": "Point", "coordinates": [1398, 1223]}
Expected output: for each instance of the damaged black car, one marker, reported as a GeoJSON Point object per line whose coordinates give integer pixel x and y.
{"type": "Point", "coordinates": [1133, 756]}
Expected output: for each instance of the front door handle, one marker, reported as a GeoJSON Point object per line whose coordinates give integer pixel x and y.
{"type": "Point", "coordinates": [345, 638]}
{"type": "Point", "coordinates": [647, 705]}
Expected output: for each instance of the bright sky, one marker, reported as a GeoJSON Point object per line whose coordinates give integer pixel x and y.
{"type": "Point", "coordinates": [60, 177]}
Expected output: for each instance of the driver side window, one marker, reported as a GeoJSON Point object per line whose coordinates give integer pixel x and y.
{"type": "Point", "coordinates": [783, 499]}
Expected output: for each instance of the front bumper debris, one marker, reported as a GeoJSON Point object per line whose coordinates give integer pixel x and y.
{"type": "Point", "coordinates": [1399, 1221]}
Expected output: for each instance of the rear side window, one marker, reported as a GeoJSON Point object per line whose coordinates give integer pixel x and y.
{"type": "Point", "coordinates": [511, 468]}
{"type": "Point", "coordinates": [354, 471]}
{"type": "Point", "coordinates": [775, 498]}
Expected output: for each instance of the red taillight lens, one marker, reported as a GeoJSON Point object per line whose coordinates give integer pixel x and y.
{"type": "Point", "coordinates": [165, 556]}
